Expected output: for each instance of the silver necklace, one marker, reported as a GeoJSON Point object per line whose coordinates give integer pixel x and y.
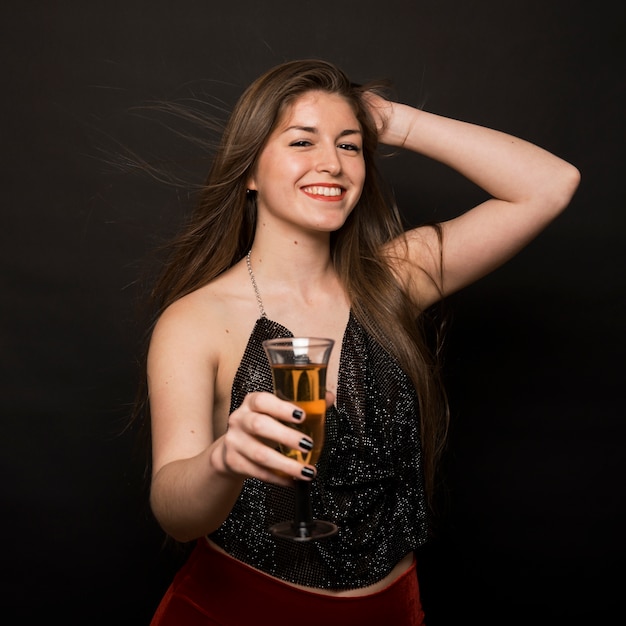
{"type": "Point", "coordinates": [254, 285]}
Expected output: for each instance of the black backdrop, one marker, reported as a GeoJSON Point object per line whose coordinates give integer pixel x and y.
{"type": "Point", "coordinates": [534, 517]}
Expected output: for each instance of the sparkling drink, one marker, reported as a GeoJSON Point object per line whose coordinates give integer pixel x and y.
{"type": "Point", "coordinates": [304, 385]}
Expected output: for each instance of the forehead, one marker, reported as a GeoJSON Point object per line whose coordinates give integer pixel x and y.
{"type": "Point", "coordinates": [314, 107]}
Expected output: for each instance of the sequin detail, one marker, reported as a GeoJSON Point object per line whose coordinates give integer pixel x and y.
{"type": "Point", "coordinates": [369, 480]}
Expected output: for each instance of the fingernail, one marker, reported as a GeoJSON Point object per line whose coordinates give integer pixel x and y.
{"type": "Point", "coordinates": [307, 472]}
{"type": "Point", "coordinates": [306, 444]}
{"type": "Point", "coordinates": [297, 414]}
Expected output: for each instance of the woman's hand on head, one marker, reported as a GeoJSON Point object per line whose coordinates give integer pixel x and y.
{"type": "Point", "coordinates": [249, 447]}
{"type": "Point", "coordinates": [393, 121]}
{"type": "Point", "coordinates": [380, 110]}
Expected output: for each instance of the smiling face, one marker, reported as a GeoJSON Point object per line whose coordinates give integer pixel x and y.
{"type": "Point", "coordinates": [311, 171]}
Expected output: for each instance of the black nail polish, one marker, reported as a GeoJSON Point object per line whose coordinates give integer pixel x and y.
{"type": "Point", "coordinates": [307, 472]}
{"type": "Point", "coordinates": [297, 414]}
{"type": "Point", "coordinates": [306, 444]}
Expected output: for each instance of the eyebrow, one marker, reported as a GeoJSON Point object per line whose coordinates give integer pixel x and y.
{"type": "Point", "coordinates": [313, 130]}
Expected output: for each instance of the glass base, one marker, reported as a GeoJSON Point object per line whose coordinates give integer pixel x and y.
{"type": "Point", "coordinates": [317, 529]}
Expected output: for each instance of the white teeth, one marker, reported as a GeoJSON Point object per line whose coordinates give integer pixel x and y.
{"type": "Point", "coordinates": [323, 191]}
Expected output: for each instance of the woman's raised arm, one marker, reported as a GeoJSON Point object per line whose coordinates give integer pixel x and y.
{"type": "Point", "coordinates": [528, 186]}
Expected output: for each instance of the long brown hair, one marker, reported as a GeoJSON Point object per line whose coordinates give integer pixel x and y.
{"type": "Point", "coordinates": [221, 229]}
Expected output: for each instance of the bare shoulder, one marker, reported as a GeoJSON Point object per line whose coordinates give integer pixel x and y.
{"type": "Point", "coordinates": [211, 316]}
{"type": "Point", "coordinates": [204, 335]}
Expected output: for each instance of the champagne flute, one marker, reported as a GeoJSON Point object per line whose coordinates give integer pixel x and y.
{"type": "Point", "coordinates": [299, 375]}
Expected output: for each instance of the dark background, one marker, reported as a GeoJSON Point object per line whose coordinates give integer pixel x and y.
{"type": "Point", "coordinates": [534, 516]}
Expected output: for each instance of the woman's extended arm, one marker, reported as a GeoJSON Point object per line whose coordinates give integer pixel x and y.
{"type": "Point", "coordinates": [198, 473]}
{"type": "Point", "coordinates": [528, 186]}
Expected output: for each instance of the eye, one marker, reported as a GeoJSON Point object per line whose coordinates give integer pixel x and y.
{"type": "Point", "coordinates": [351, 147]}
{"type": "Point", "coordinates": [301, 143]}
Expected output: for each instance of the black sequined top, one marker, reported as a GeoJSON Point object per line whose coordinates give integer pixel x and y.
{"type": "Point", "coordinates": [369, 479]}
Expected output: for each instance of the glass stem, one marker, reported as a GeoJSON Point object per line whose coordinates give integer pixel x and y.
{"type": "Point", "coordinates": [303, 521]}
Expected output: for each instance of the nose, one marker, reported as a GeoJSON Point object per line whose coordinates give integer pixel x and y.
{"type": "Point", "coordinates": [329, 161]}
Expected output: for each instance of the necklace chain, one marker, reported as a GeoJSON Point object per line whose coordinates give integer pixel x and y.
{"type": "Point", "coordinates": [257, 293]}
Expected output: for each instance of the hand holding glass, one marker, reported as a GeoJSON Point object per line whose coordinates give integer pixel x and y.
{"type": "Point", "coordinates": [299, 374]}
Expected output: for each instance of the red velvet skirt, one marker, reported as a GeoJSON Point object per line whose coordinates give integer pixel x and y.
{"type": "Point", "coordinates": [214, 589]}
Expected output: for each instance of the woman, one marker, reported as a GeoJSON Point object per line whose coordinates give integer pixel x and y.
{"type": "Point", "coordinates": [293, 234]}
